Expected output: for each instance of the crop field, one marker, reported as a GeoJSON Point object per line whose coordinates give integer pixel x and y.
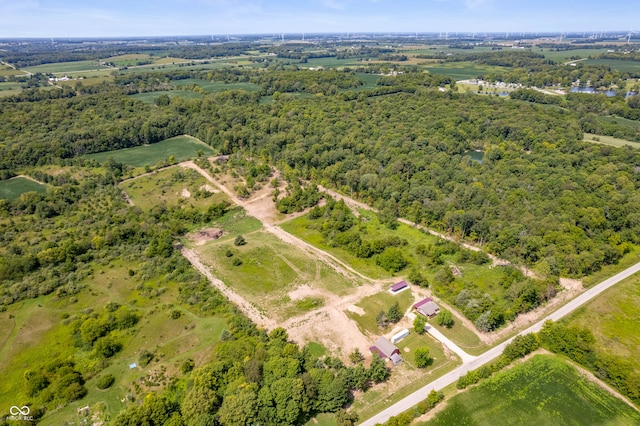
{"type": "Point", "coordinates": [562, 56]}
{"type": "Point", "coordinates": [129, 59]}
{"type": "Point", "coordinates": [614, 320]}
{"type": "Point", "coordinates": [172, 187]}
{"type": "Point", "coordinates": [216, 86]}
{"type": "Point", "coordinates": [13, 188]}
{"type": "Point", "coordinates": [181, 147]}
{"type": "Point", "coordinates": [461, 70]}
{"type": "Point", "coordinates": [67, 67]}
{"type": "Point", "coordinates": [542, 391]}
{"type": "Point", "coordinates": [622, 66]}
{"type": "Point", "coordinates": [37, 332]}
{"type": "Point", "coordinates": [609, 140]}
{"type": "Point", "coordinates": [150, 97]}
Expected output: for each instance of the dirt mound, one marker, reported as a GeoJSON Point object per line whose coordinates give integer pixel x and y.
{"type": "Point", "coordinates": [206, 234]}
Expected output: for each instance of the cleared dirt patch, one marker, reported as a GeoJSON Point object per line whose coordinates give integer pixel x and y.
{"type": "Point", "coordinates": [206, 234]}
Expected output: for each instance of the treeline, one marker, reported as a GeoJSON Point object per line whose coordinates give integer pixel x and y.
{"type": "Point", "coordinates": [258, 378]}
{"type": "Point", "coordinates": [327, 82]}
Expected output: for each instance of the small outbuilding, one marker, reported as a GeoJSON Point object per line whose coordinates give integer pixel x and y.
{"type": "Point", "coordinates": [427, 307]}
{"type": "Point", "coordinates": [386, 349]}
{"type": "Point", "coordinates": [399, 335]}
{"type": "Point", "coordinates": [398, 287]}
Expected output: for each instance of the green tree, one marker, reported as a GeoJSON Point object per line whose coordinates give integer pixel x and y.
{"type": "Point", "coordinates": [445, 318]}
{"type": "Point", "coordinates": [239, 409]}
{"type": "Point", "coordinates": [394, 314]}
{"type": "Point", "coordinates": [356, 357]}
{"type": "Point", "coordinates": [392, 259]}
{"type": "Point", "coordinates": [378, 371]}
{"type": "Point", "coordinates": [418, 323]}
{"type": "Point", "coordinates": [422, 358]}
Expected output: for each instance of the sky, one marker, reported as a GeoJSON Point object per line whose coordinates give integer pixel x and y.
{"type": "Point", "coordinates": [119, 18]}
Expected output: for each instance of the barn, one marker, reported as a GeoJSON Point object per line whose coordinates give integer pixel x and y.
{"type": "Point", "coordinates": [386, 349]}
{"type": "Point", "coordinates": [427, 307]}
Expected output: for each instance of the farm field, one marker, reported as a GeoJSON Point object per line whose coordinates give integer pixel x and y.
{"type": "Point", "coordinates": [270, 270]}
{"type": "Point", "coordinates": [609, 140]}
{"type": "Point", "coordinates": [614, 320]}
{"type": "Point", "coordinates": [67, 67]}
{"type": "Point", "coordinates": [9, 88]}
{"type": "Point", "coordinates": [460, 70]}
{"type": "Point", "coordinates": [150, 97]}
{"type": "Point", "coordinates": [622, 66]}
{"type": "Point", "coordinates": [544, 390]}
{"type": "Point", "coordinates": [13, 188]}
{"type": "Point", "coordinates": [38, 333]}
{"type": "Point", "coordinates": [181, 147]}
{"type": "Point", "coordinates": [216, 86]}
{"type": "Point", "coordinates": [172, 187]}
{"type": "Point", "coordinates": [563, 56]}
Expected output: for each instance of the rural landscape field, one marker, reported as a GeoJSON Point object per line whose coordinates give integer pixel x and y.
{"type": "Point", "coordinates": [318, 227]}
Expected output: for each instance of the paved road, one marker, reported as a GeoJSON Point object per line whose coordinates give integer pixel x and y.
{"type": "Point", "coordinates": [493, 353]}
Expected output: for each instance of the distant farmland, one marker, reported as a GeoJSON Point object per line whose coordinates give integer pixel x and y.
{"type": "Point", "coordinates": [65, 67]}
{"type": "Point", "coordinates": [13, 188]}
{"type": "Point", "coordinates": [181, 147]}
{"type": "Point", "coordinates": [216, 86]}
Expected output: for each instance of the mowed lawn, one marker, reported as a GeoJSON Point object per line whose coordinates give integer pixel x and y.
{"type": "Point", "coordinates": [181, 147]}
{"type": "Point", "coordinates": [542, 391]}
{"type": "Point", "coordinates": [13, 188]}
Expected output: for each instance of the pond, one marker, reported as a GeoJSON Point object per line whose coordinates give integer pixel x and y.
{"type": "Point", "coordinates": [476, 156]}
{"type": "Point", "coordinates": [591, 90]}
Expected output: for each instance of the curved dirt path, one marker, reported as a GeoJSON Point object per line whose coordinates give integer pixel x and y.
{"type": "Point", "coordinates": [234, 297]}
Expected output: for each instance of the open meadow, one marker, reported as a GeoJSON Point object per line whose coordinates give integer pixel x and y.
{"type": "Point", "coordinates": [40, 331]}
{"type": "Point", "coordinates": [609, 140]}
{"type": "Point", "coordinates": [216, 86]}
{"type": "Point", "coordinates": [172, 187]}
{"type": "Point", "coordinates": [544, 390]}
{"type": "Point", "coordinates": [267, 272]}
{"type": "Point", "coordinates": [13, 188]}
{"type": "Point", "coordinates": [180, 147]}
{"type": "Point", "coordinates": [614, 320]}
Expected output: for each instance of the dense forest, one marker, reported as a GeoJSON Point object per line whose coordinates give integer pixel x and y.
{"type": "Point", "coordinates": [403, 152]}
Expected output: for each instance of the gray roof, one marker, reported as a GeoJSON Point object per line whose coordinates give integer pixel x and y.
{"type": "Point", "coordinates": [429, 309]}
{"type": "Point", "coordinates": [386, 347]}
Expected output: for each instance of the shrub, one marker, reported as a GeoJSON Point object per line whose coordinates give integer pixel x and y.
{"type": "Point", "coordinates": [187, 366]}
{"type": "Point", "coordinates": [239, 241]}
{"type": "Point", "coordinates": [422, 358]}
{"type": "Point", "coordinates": [145, 358]}
{"type": "Point", "coordinates": [105, 381]}
{"type": "Point", "coordinates": [445, 318]}
{"type": "Point", "coordinates": [237, 261]}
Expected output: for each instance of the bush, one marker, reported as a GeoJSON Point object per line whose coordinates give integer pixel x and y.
{"type": "Point", "coordinates": [105, 381]}
{"type": "Point", "coordinates": [187, 366]}
{"type": "Point", "coordinates": [237, 261]}
{"type": "Point", "coordinates": [145, 358]}
{"type": "Point", "coordinates": [239, 241]}
{"type": "Point", "coordinates": [392, 259]}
